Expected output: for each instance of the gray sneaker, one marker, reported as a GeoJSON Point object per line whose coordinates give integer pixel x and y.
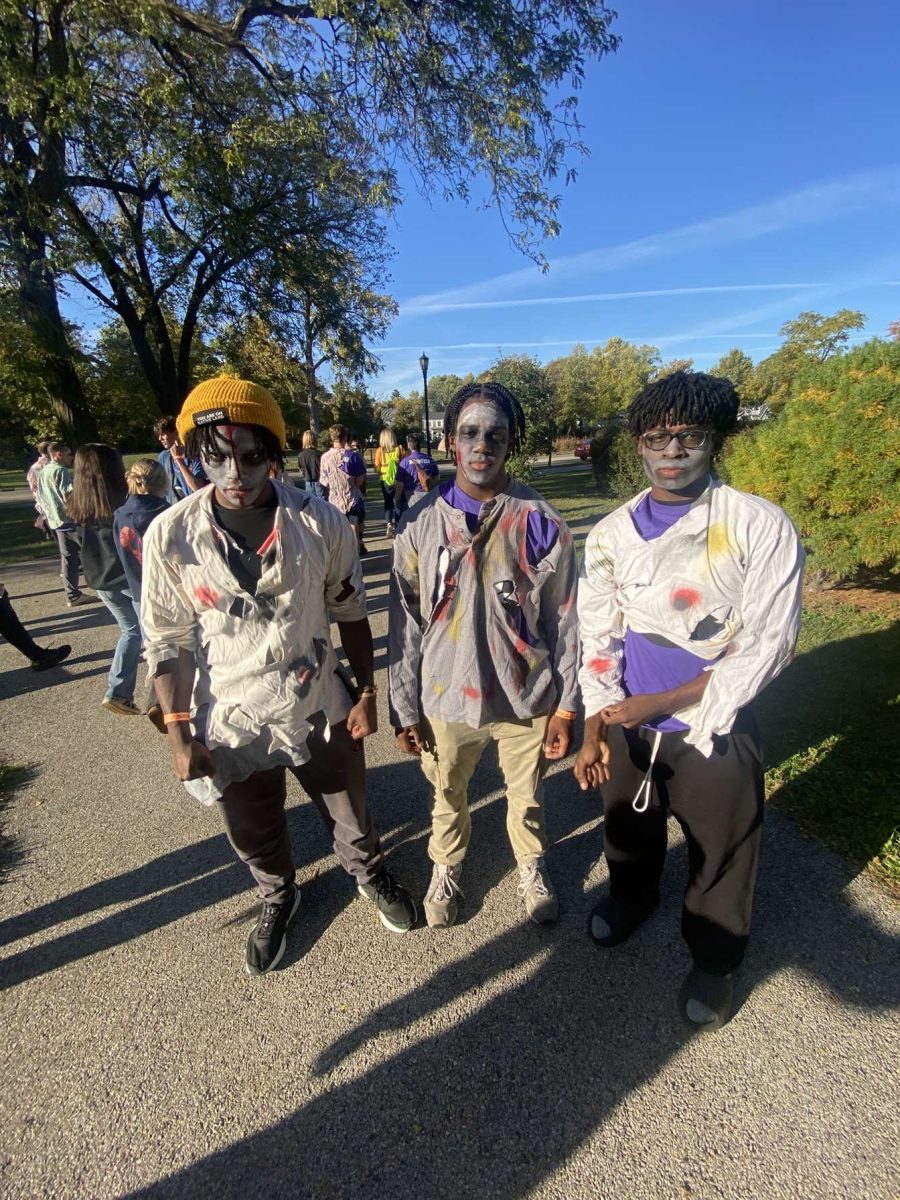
{"type": "Point", "coordinates": [440, 899]}
{"type": "Point", "coordinates": [536, 889]}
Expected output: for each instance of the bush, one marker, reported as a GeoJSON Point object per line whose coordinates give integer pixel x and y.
{"type": "Point", "coordinates": [617, 466]}
{"type": "Point", "coordinates": [832, 460]}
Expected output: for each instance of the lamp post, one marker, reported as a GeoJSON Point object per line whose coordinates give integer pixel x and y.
{"type": "Point", "coordinates": [423, 363]}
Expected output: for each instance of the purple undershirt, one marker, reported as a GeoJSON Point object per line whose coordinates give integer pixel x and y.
{"type": "Point", "coordinates": [650, 667]}
{"type": "Point", "coordinates": [542, 530]}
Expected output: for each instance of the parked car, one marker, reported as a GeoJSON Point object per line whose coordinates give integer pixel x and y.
{"type": "Point", "coordinates": [583, 449]}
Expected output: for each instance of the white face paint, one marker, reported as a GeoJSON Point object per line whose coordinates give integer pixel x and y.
{"type": "Point", "coordinates": [676, 472]}
{"type": "Point", "coordinates": [482, 444]}
{"type": "Point", "coordinates": [239, 469]}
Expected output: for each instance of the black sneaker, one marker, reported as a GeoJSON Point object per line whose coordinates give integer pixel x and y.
{"type": "Point", "coordinates": [396, 907]}
{"type": "Point", "coordinates": [612, 922]}
{"type": "Point", "coordinates": [50, 658]}
{"type": "Point", "coordinates": [266, 944]}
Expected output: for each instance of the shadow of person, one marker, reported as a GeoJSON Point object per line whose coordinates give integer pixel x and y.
{"type": "Point", "coordinates": [542, 1034]}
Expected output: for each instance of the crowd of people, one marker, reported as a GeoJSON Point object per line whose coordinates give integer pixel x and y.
{"type": "Point", "coordinates": [686, 606]}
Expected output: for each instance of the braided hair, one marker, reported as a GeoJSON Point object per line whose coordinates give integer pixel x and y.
{"type": "Point", "coordinates": [685, 398]}
{"type": "Point", "coordinates": [487, 391]}
{"type": "Point", "coordinates": [200, 442]}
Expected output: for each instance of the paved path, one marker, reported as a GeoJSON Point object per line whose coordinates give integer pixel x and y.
{"type": "Point", "coordinates": [496, 1059]}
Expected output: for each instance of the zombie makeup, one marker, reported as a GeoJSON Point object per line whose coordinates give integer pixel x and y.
{"type": "Point", "coordinates": [676, 471]}
{"type": "Point", "coordinates": [238, 468]}
{"type": "Point", "coordinates": [482, 443]}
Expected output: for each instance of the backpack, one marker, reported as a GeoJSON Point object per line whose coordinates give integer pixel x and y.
{"type": "Point", "coordinates": [389, 474]}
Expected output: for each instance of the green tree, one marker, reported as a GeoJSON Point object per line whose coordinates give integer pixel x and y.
{"type": "Point", "coordinates": [832, 460]}
{"type": "Point", "coordinates": [673, 365]}
{"type": "Point", "coordinates": [737, 367]}
{"type": "Point", "coordinates": [624, 369]}
{"type": "Point", "coordinates": [524, 376]}
{"type": "Point", "coordinates": [573, 379]}
{"type": "Point", "coordinates": [94, 96]}
{"type": "Point", "coordinates": [810, 338]}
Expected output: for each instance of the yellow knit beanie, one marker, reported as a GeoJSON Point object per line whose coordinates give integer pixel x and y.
{"type": "Point", "coordinates": [227, 400]}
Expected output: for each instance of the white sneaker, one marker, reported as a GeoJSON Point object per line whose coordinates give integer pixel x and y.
{"type": "Point", "coordinates": [440, 899]}
{"type": "Point", "coordinates": [536, 889]}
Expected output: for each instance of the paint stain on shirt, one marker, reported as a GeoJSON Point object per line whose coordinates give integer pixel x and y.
{"type": "Point", "coordinates": [683, 598]}
{"type": "Point", "coordinates": [206, 595]}
{"type": "Point", "coordinates": [598, 666]}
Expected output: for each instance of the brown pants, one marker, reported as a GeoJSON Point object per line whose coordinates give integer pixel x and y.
{"type": "Point", "coordinates": [335, 780]}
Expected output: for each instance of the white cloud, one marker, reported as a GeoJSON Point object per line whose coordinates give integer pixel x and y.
{"type": "Point", "coordinates": [815, 204]}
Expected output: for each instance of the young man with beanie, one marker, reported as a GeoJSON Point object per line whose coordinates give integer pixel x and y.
{"type": "Point", "coordinates": [688, 605]}
{"type": "Point", "coordinates": [240, 583]}
{"type": "Point", "coordinates": [483, 645]}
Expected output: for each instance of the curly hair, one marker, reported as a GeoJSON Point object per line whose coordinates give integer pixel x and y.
{"type": "Point", "coordinates": [487, 391]}
{"type": "Point", "coordinates": [685, 398]}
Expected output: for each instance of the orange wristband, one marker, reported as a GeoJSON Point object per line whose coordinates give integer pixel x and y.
{"type": "Point", "coordinates": [175, 718]}
{"type": "Point", "coordinates": [565, 714]}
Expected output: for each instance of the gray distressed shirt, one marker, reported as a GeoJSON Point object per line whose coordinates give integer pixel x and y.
{"type": "Point", "coordinates": [478, 633]}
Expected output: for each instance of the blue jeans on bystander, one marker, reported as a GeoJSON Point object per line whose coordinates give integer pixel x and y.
{"type": "Point", "coordinates": [123, 672]}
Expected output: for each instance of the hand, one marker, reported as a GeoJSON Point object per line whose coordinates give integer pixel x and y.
{"type": "Point", "coordinates": [410, 740]}
{"type": "Point", "coordinates": [191, 760]}
{"type": "Point", "coordinates": [591, 768]}
{"type": "Point", "coordinates": [177, 451]}
{"type": "Point", "coordinates": [634, 711]}
{"type": "Point", "coordinates": [363, 718]}
{"type": "Point", "coordinates": [558, 738]}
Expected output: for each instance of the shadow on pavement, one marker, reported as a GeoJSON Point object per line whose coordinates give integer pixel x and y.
{"type": "Point", "coordinates": [494, 1104]}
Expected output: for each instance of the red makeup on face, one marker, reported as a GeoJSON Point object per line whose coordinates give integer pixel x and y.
{"type": "Point", "coordinates": [238, 469]}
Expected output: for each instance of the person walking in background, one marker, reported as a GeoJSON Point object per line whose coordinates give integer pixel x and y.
{"type": "Point", "coordinates": [387, 460]}
{"type": "Point", "coordinates": [417, 474]}
{"type": "Point", "coordinates": [241, 583]}
{"type": "Point", "coordinates": [148, 486]}
{"type": "Point", "coordinates": [17, 635]}
{"type": "Point", "coordinates": [688, 605]}
{"type": "Point", "coordinates": [482, 644]}
{"type": "Point", "coordinates": [185, 474]}
{"type": "Point", "coordinates": [343, 473]}
{"type": "Point", "coordinates": [54, 486]}
{"type": "Point", "coordinates": [308, 464]}
{"type": "Point", "coordinates": [98, 489]}
{"type": "Point", "coordinates": [32, 475]}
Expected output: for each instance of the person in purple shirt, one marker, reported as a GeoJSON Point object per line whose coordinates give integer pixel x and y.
{"type": "Point", "coordinates": [416, 475]}
{"type": "Point", "coordinates": [688, 605]}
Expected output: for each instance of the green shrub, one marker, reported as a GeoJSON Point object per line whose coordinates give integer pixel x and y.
{"type": "Point", "coordinates": [832, 460]}
{"type": "Point", "coordinates": [617, 466]}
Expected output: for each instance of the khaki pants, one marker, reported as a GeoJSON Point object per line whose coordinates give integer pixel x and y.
{"type": "Point", "coordinates": [449, 762]}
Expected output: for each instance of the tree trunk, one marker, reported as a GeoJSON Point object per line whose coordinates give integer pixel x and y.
{"type": "Point", "coordinates": [40, 308]}
{"type": "Point", "coordinates": [309, 366]}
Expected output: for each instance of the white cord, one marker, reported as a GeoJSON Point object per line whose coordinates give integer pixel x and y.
{"type": "Point", "coordinates": [641, 802]}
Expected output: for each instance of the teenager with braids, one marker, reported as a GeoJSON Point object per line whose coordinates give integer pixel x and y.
{"type": "Point", "coordinates": [482, 643]}
{"type": "Point", "coordinates": [688, 605]}
{"type": "Point", "coordinates": [241, 582]}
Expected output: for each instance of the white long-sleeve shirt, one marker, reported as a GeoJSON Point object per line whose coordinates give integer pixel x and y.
{"type": "Point", "coordinates": [737, 558]}
{"type": "Point", "coordinates": [265, 662]}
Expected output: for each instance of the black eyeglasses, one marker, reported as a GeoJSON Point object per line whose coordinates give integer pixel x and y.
{"type": "Point", "coordinates": [688, 439]}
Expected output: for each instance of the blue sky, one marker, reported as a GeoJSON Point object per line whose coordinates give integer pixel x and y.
{"type": "Point", "coordinates": [744, 167]}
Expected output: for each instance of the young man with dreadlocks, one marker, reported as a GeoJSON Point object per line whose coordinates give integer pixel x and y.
{"type": "Point", "coordinates": [688, 605]}
{"type": "Point", "coordinates": [482, 643]}
{"type": "Point", "coordinates": [240, 583]}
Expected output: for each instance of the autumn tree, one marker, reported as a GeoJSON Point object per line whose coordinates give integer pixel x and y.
{"type": "Point", "coordinates": [135, 137]}
{"type": "Point", "coordinates": [737, 367]}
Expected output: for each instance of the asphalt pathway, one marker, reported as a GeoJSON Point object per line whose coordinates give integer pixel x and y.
{"type": "Point", "coordinates": [496, 1059]}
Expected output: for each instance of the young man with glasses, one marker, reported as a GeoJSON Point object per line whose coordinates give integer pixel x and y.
{"type": "Point", "coordinates": [688, 605]}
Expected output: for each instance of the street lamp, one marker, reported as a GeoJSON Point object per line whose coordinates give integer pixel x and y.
{"type": "Point", "coordinates": [423, 363]}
